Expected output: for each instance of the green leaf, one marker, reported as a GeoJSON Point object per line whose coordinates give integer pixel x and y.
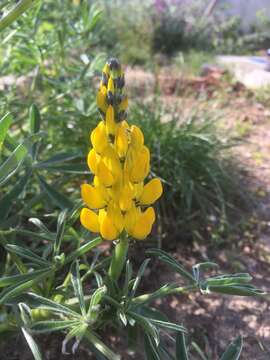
{"type": "Point", "coordinates": [41, 302]}
{"type": "Point", "coordinates": [229, 279]}
{"type": "Point", "coordinates": [32, 344]}
{"type": "Point", "coordinates": [65, 168]}
{"type": "Point", "coordinates": [58, 199]}
{"type": "Point", "coordinates": [34, 117]}
{"type": "Point", "coordinates": [100, 346]}
{"type": "Point", "coordinates": [146, 324]}
{"type": "Point", "coordinates": [181, 348]}
{"type": "Point", "coordinates": [83, 249]}
{"type": "Point", "coordinates": [16, 159]}
{"type": "Point", "coordinates": [138, 277]}
{"type": "Point", "coordinates": [202, 266]}
{"type": "Point", "coordinates": [240, 290]}
{"type": "Point", "coordinates": [77, 285]}
{"type": "Point", "coordinates": [4, 126]}
{"type": "Point", "coordinates": [128, 276]}
{"type": "Point", "coordinates": [199, 351]}
{"type": "Point", "coordinates": [39, 224]}
{"type": "Point", "coordinates": [151, 349]}
{"type": "Point", "coordinates": [18, 289]}
{"type": "Point", "coordinates": [7, 201]}
{"type": "Point", "coordinates": [27, 254]}
{"type": "Point", "coordinates": [151, 313]}
{"type": "Point", "coordinates": [20, 278]}
{"type": "Point", "coordinates": [168, 325]}
{"type": "Point", "coordinates": [61, 223]}
{"type": "Point", "coordinates": [45, 326]}
{"type": "Point", "coordinates": [59, 159]}
{"type": "Point", "coordinates": [168, 259]}
{"type": "Point", "coordinates": [95, 299]}
{"type": "Point", "coordinates": [234, 350]}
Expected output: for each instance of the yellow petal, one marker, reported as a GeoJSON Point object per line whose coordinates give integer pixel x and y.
{"type": "Point", "coordinates": [111, 125]}
{"type": "Point", "coordinates": [141, 166]}
{"type": "Point", "coordinates": [151, 192]}
{"type": "Point", "coordinates": [99, 138]}
{"type": "Point", "coordinates": [124, 104]}
{"type": "Point", "coordinates": [106, 69]}
{"type": "Point", "coordinates": [101, 99]}
{"type": "Point", "coordinates": [130, 218]}
{"type": "Point", "coordinates": [111, 160]}
{"type": "Point", "coordinates": [115, 214]}
{"type": "Point", "coordinates": [111, 85]}
{"type": "Point", "coordinates": [143, 225]}
{"type": "Point", "coordinates": [104, 174]}
{"type": "Point", "coordinates": [122, 141]}
{"type": "Point", "coordinates": [92, 196]}
{"type": "Point", "coordinates": [137, 138]}
{"type": "Point", "coordinates": [93, 160]}
{"type": "Point", "coordinates": [89, 220]}
{"type": "Point", "coordinates": [107, 228]}
{"type": "Point", "coordinates": [126, 197]}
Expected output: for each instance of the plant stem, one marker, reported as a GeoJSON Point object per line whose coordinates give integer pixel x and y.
{"type": "Point", "coordinates": [15, 12]}
{"type": "Point", "coordinates": [119, 257]}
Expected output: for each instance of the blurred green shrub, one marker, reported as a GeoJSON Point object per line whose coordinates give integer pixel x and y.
{"type": "Point", "coordinates": [127, 31]}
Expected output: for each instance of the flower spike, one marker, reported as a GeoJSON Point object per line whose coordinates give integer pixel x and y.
{"type": "Point", "coordinates": [117, 200]}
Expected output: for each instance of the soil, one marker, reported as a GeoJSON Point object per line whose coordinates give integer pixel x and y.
{"type": "Point", "coordinates": [212, 320]}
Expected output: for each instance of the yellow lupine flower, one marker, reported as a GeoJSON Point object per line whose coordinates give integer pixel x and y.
{"type": "Point", "coordinates": [120, 163]}
{"type": "Point", "coordinates": [151, 192]}
{"type": "Point", "coordinates": [99, 138]}
{"type": "Point", "coordinates": [122, 140]}
{"type": "Point", "coordinates": [89, 220]}
{"type": "Point", "coordinates": [140, 166]}
{"type": "Point", "coordinates": [101, 99]}
{"type": "Point", "coordinates": [143, 224]}
{"type": "Point", "coordinates": [93, 196]}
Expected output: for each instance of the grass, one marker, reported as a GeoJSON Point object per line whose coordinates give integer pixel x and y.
{"type": "Point", "coordinates": [201, 180]}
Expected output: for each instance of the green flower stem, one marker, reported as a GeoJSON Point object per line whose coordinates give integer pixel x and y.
{"type": "Point", "coordinates": [119, 258]}
{"type": "Point", "coordinates": [15, 12]}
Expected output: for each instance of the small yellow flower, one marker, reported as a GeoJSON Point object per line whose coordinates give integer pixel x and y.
{"type": "Point", "coordinates": [120, 163]}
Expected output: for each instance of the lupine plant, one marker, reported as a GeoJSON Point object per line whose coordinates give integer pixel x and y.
{"type": "Point", "coordinates": [60, 285]}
